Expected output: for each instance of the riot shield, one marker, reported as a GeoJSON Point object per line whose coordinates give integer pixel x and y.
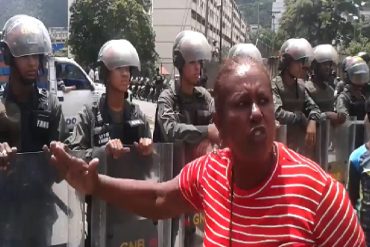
{"type": "Point", "coordinates": [187, 230]}
{"type": "Point", "coordinates": [343, 143]}
{"type": "Point", "coordinates": [36, 209]}
{"type": "Point", "coordinates": [115, 227]}
{"type": "Point", "coordinates": [324, 137]}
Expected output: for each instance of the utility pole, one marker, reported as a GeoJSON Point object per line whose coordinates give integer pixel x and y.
{"type": "Point", "coordinates": [258, 18]}
{"type": "Point", "coordinates": [206, 23]}
{"type": "Point", "coordinates": [221, 24]}
{"type": "Point", "coordinates": [232, 22]}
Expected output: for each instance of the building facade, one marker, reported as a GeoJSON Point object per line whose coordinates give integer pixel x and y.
{"type": "Point", "coordinates": [278, 9]}
{"type": "Point", "coordinates": [171, 17]}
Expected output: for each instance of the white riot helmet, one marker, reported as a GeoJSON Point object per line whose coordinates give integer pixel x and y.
{"type": "Point", "coordinates": [25, 35]}
{"type": "Point", "coordinates": [190, 46]}
{"type": "Point", "coordinates": [245, 50]}
{"type": "Point", "coordinates": [325, 53]}
{"type": "Point", "coordinates": [296, 49]}
{"type": "Point", "coordinates": [119, 53]}
{"type": "Point", "coordinates": [357, 71]}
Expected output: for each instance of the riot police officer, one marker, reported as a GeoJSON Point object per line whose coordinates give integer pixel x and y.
{"type": "Point", "coordinates": [341, 83]}
{"type": "Point", "coordinates": [26, 45]}
{"type": "Point", "coordinates": [184, 111]}
{"type": "Point", "coordinates": [351, 102]}
{"type": "Point", "coordinates": [114, 121]}
{"type": "Point", "coordinates": [37, 119]}
{"type": "Point", "coordinates": [293, 106]}
{"type": "Point", "coordinates": [366, 57]}
{"type": "Point", "coordinates": [325, 59]}
{"type": "Point", "coordinates": [245, 50]}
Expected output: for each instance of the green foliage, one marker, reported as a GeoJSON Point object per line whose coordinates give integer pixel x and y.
{"type": "Point", "coordinates": [319, 21]}
{"type": "Point", "coordinates": [93, 22]}
{"type": "Point", "coordinates": [147, 4]}
{"type": "Point", "coordinates": [355, 47]}
{"type": "Point", "coordinates": [266, 42]}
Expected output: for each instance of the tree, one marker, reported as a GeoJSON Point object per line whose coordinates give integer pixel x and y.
{"type": "Point", "coordinates": [355, 47]}
{"type": "Point", "coordinates": [266, 42]}
{"type": "Point", "coordinates": [93, 22]}
{"type": "Point", "coordinates": [319, 21]}
{"type": "Point", "coordinates": [147, 4]}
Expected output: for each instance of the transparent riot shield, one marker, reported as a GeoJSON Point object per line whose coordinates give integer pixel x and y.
{"type": "Point", "coordinates": [187, 230]}
{"type": "Point", "coordinates": [36, 208]}
{"type": "Point", "coordinates": [343, 144]}
{"type": "Point", "coordinates": [116, 227]}
{"type": "Point", "coordinates": [323, 144]}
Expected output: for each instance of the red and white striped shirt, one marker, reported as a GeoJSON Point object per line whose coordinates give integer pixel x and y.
{"type": "Point", "coordinates": [298, 205]}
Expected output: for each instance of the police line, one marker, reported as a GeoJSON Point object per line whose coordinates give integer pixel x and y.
{"type": "Point", "coordinates": [334, 145]}
{"type": "Point", "coordinates": [36, 206]}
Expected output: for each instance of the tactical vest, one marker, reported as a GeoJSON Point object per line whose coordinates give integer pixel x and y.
{"type": "Point", "coordinates": [102, 130]}
{"type": "Point", "coordinates": [196, 114]}
{"type": "Point", "coordinates": [293, 97]}
{"type": "Point", "coordinates": [323, 97]}
{"type": "Point", "coordinates": [356, 106]}
{"type": "Point", "coordinates": [40, 119]}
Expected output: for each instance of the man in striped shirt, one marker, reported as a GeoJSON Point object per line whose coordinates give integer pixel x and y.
{"type": "Point", "coordinates": [253, 193]}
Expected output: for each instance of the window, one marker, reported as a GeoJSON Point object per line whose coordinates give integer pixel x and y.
{"type": "Point", "coordinates": [71, 75]}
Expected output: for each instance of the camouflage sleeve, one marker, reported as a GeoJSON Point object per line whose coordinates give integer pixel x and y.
{"type": "Point", "coordinates": [339, 88]}
{"type": "Point", "coordinates": [311, 109]}
{"type": "Point", "coordinates": [210, 102]}
{"type": "Point", "coordinates": [283, 116]}
{"type": "Point", "coordinates": [171, 126]}
{"type": "Point", "coordinates": [58, 125]}
{"type": "Point", "coordinates": [80, 139]}
{"type": "Point", "coordinates": [145, 131]}
{"type": "Point", "coordinates": [342, 105]}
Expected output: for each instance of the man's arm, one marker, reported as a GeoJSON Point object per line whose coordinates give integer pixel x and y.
{"type": "Point", "coordinates": [354, 178]}
{"type": "Point", "coordinates": [311, 108]}
{"type": "Point", "coordinates": [148, 199]}
{"type": "Point", "coordinates": [153, 200]}
{"type": "Point", "coordinates": [58, 125]}
{"type": "Point", "coordinates": [342, 105]}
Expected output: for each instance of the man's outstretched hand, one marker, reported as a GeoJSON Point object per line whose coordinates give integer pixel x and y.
{"type": "Point", "coordinates": [80, 175]}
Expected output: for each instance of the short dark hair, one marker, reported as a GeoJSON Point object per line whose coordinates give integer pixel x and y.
{"type": "Point", "coordinates": [225, 71]}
